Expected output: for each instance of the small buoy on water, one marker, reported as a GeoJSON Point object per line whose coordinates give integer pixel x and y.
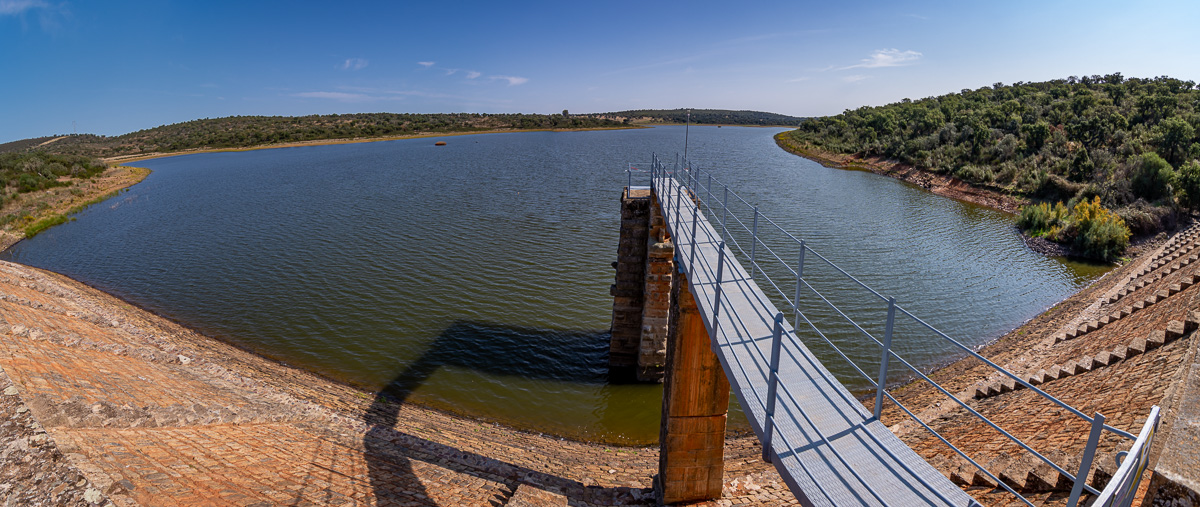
{"type": "Point", "coordinates": [440, 143]}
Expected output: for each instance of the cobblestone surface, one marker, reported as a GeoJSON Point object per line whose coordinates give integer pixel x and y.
{"type": "Point", "coordinates": [32, 470]}
{"type": "Point", "coordinates": [145, 412]}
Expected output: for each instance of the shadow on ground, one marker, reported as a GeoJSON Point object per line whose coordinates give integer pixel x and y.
{"type": "Point", "coordinates": [567, 356]}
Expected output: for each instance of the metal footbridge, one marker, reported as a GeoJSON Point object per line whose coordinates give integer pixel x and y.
{"type": "Point", "coordinates": [828, 447]}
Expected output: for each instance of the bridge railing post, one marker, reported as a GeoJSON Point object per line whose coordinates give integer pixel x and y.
{"type": "Point", "coordinates": [772, 382]}
{"type": "Point", "coordinates": [675, 179]}
{"type": "Point", "coordinates": [887, 352]}
{"type": "Point", "coordinates": [717, 293]}
{"type": "Point", "coordinates": [753, 241]}
{"type": "Point", "coordinates": [799, 283]}
{"type": "Point", "coordinates": [1085, 465]}
{"type": "Point", "coordinates": [708, 202]}
{"type": "Point", "coordinates": [692, 254]}
{"type": "Point", "coordinates": [724, 212]}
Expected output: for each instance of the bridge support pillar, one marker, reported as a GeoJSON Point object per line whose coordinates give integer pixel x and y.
{"type": "Point", "coordinates": [627, 291]}
{"type": "Point", "coordinates": [695, 402]}
{"type": "Point", "coordinates": [656, 297]}
{"type": "Point", "coordinates": [642, 292]}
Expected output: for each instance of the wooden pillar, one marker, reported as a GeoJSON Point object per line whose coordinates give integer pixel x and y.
{"type": "Point", "coordinates": [695, 402]}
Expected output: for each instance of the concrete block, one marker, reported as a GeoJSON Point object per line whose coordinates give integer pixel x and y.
{"type": "Point", "coordinates": [1162, 294]}
{"type": "Point", "coordinates": [1089, 363]}
{"type": "Point", "coordinates": [1174, 289]}
{"type": "Point", "coordinates": [979, 478]}
{"type": "Point", "coordinates": [1104, 321]}
{"type": "Point", "coordinates": [1137, 346]}
{"type": "Point", "coordinates": [1156, 339]}
{"type": "Point", "coordinates": [962, 474]}
{"type": "Point", "coordinates": [1007, 385]}
{"type": "Point", "coordinates": [1105, 358]}
{"type": "Point", "coordinates": [1119, 353]}
{"type": "Point", "coordinates": [1137, 305]}
{"type": "Point", "coordinates": [1036, 378]}
{"type": "Point", "coordinates": [1071, 368]}
{"type": "Point", "coordinates": [993, 389]}
{"type": "Point", "coordinates": [1175, 330]}
{"type": "Point", "coordinates": [1053, 373]}
{"type": "Point", "coordinates": [1192, 322]}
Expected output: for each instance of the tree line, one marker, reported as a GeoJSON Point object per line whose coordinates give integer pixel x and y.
{"type": "Point", "coordinates": [700, 117]}
{"type": "Point", "coordinates": [1126, 145]}
{"type": "Point", "coordinates": [248, 131]}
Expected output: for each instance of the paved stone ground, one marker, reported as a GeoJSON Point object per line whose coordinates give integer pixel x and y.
{"type": "Point", "coordinates": [117, 405]}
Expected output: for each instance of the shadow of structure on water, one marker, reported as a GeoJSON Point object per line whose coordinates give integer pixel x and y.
{"type": "Point", "coordinates": [393, 456]}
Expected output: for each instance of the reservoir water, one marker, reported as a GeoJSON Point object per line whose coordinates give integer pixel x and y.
{"type": "Point", "coordinates": [474, 277]}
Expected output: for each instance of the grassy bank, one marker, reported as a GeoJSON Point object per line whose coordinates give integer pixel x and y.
{"type": "Point", "coordinates": [26, 214]}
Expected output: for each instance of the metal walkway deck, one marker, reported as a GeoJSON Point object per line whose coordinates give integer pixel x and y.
{"type": "Point", "coordinates": [825, 444]}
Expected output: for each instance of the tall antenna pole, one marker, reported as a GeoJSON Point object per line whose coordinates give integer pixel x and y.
{"type": "Point", "coordinates": [686, 127]}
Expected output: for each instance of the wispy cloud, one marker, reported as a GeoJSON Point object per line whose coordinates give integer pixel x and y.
{"type": "Point", "coordinates": [472, 74]}
{"type": "Point", "coordinates": [918, 16]}
{"type": "Point", "coordinates": [426, 64]}
{"type": "Point", "coordinates": [512, 80]}
{"type": "Point", "coordinates": [353, 64]}
{"type": "Point", "coordinates": [15, 7]}
{"type": "Point", "coordinates": [886, 58]}
{"type": "Point", "coordinates": [855, 78]}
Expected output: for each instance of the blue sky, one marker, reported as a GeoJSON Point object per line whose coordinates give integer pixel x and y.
{"type": "Point", "coordinates": [117, 67]}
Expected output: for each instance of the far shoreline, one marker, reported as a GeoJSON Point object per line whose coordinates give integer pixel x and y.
{"type": "Point", "coordinates": [124, 159]}
{"type": "Point", "coordinates": [940, 184]}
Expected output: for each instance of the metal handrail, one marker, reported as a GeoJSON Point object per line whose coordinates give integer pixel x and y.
{"type": "Point", "coordinates": [685, 182]}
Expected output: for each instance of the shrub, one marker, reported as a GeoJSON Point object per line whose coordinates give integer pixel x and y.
{"type": "Point", "coordinates": [1151, 177]}
{"type": "Point", "coordinates": [1187, 185]}
{"type": "Point", "coordinates": [1099, 233]}
{"type": "Point", "coordinates": [1042, 219]}
{"type": "Point", "coordinates": [1094, 231]}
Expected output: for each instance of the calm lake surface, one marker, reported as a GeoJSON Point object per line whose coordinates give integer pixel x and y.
{"type": "Point", "coordinates": [474, 277]}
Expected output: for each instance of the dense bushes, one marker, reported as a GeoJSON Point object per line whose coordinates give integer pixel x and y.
{"type": "Point", "coordinates": [30, 172]}
{"type": "Point", "coordinates": [1131, 143]}
{"type": "Point", "coordinates": [1092, 230]}
{"type": "Point", "coordinates": [1042, 219]}
{"type": "Point", "coordinates": [1099, 233]}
